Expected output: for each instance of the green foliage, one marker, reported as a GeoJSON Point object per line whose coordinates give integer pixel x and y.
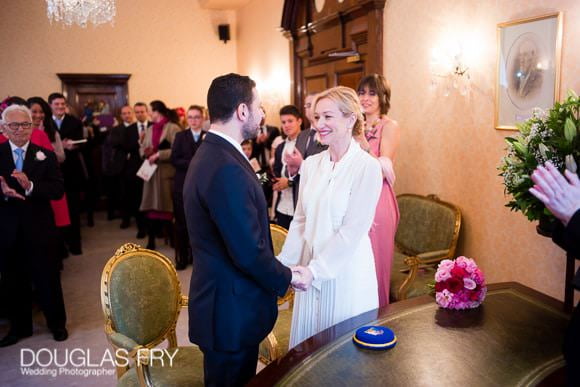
{"type": "Point", "coordinates": [547, 136]}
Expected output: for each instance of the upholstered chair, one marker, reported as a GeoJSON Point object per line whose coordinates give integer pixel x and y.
{"type": "Point", "coordinates": [141, 299]}
{"type": "Point", "coordinates": [427, 234]}
{"type": "Point", "coordinates": [276, 344]}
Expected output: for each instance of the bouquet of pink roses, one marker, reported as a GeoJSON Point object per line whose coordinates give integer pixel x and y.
{"type": "Point", "coordinates": [459, 284]}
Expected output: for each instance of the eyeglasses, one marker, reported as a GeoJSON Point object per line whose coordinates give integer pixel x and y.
{"type": "Point", "coordinates": [15, 125]}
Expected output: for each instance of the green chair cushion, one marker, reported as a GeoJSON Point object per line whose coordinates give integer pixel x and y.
{"type": "Point", "coordinates": [144, 300]}
{"type": "Point", "coordinates": [187, 370]}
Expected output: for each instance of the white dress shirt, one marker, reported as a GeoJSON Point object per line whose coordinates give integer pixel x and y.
{"type": "Point", "coordinates": [231, 141]}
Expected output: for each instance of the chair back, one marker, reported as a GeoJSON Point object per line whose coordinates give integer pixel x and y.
{"type": "Point", "coordinates": [426, 224]}
{"type": "Point", "coordinates": [278, 234]}
{"type": "Point", "coordinates": [141, 295]}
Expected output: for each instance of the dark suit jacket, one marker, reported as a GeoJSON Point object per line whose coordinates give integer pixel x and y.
{"type": "Point", "coordinates": [74, 168]}
{"type": "Point", "coordinates": [313, 148]}
{"type": "Point", "coordinates": [182, 151]}
{"type": "Point", "coordinates": [258, 150]}
{"type": "Point", "coordinates": [33, 216]}
{"type": "Point", "coordinates": [233, 290]}
{"type": "Point", "coordinates": [114, 154]}
{"type": "Point", "coordinates": [131, 147]}
{"type": "Point", "coordinates": [568, 238]}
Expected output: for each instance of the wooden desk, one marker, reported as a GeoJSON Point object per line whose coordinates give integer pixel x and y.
{"type": "Point", "coordinates": [514, 339]}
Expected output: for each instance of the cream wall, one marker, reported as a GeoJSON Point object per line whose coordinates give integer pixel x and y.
{"type": "Point", "coordinates": [171, 49]}
{"type": "Point", "coordinates": [264, 54]}
{"type": "Point", "coordinates": [449, 145]}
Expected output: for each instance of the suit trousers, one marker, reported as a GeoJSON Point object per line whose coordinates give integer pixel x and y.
{"type": "Point", "coordinates": [20, 273]}
{"type": "Point", "coordinates": [131, 195]}
{"type": "Point", "coordinates": [73, 237]}
{"type": "Point", "coordinates": [572, 349]}
{"type": "Point", "coordinates": [229, 368]}
{"type": "Point", "coordinates": [182, 248]}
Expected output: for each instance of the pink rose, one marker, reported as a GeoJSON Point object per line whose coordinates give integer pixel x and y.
{"type": "Point", "coordinates": [469, 283]}
{"type": "Point", "coordinates": [443, 298]}
{"type": "Point", "coordinates": [442, 275]}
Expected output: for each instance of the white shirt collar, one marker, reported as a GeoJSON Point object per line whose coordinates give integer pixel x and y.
{"type": "Point", "coordinates": [127, 124]}
{"type": "Point", "coordinates": [198, 132]}
{"type": "Point", "coordinates": [13, 147]}
{"type": "Point", "coordinates": [231, 141]}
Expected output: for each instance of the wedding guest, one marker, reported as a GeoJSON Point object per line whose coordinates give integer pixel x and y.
{"type": "Point", "coordinates": [133, 185]}
{"type": "Point", "coordinates": [329, 235]}
{"type": "Point", "coordinates": [157, 199]}
{"type": "Point", "coordinates": [27, 229]}
{"type": "Point", "coordinates": [381, 140]}
{"type": "Point", "coordinates": [561, 196]}
{"type": "Point", "coordinates": [306, 146]}
{"type": "Point", "coordinates": [73, 168]}
{"type": "Point", "coordinates": [291, 124]}
{"type": "Point", "coordinates": [42, 122]}
{"type": "Point", "coordinates": [247, 147]}
{"type": "Point", "coordinates": [183, 149]}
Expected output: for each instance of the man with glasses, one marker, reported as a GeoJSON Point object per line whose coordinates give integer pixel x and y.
{"type": "Point", "coordinates": [184, 147]}
{"type": "Point", "coordinates": [29, 179]}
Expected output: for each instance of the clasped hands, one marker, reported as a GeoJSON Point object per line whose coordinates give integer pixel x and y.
{"type": "Point", "coordinates": [21, 178]}
{"type": "Point", "coordinates": [301, 278]}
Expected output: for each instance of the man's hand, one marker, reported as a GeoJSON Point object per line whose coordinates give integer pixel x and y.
{"type": "Point", "coordinates": [22, 179]}
{"type": "Point", "coordinates": [301, 278]}
{"type": "Point", "coordinates": [560, 195]}
{"type": "Point", "coordinates": [280, 184]}
{"type": "Point", "coordinates": [9, 192]}
{"type": "Point", "coordinates": [67, 144]}
{"type": "Point", "coordinates": [293, 161]}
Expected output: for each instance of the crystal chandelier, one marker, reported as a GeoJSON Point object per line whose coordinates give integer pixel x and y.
{"type": "Point", "coordinates": [81, 12]}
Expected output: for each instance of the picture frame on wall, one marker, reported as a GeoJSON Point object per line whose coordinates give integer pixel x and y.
{"type": "Point", "coordinates": [528, 68]}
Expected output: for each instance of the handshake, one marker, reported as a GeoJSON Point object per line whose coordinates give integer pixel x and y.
{"type": "Point", "coordinates": [301, 278]}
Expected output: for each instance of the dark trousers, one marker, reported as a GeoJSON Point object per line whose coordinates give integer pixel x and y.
{"type": "Point", "coordinates": [113, 192]}
{"type": "Point", "coordinates": [182, 248]}
{"type": "Point", "coordinates": [283, 220]}
{"type": "Point", "coordinates": [73, 235]}
{"type": "Point", "coordinates": [20, 273]}
{"type": "Point", "coordinates": [229, 368]}
{"type": "Point", "coordinates": [572, 349]}
{"type": "Point", "coordinates": [131, 196]}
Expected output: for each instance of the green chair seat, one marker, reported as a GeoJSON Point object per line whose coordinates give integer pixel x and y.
{"type": "Point", "coordinates": [185, 371]}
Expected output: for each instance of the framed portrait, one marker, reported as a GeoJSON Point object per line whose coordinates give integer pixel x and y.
{"type": "Point", "coordinates": [528, 68]}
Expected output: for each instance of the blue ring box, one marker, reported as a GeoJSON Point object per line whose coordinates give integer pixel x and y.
{"type": "Point", "coordinates": [374, 337]}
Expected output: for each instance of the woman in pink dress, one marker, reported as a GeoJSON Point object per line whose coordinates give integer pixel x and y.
{"type": "Point", "coordinates": [381, 139]}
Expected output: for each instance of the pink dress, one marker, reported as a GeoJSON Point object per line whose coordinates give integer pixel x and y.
{"type": "Point", "coordinates": [382, 233]}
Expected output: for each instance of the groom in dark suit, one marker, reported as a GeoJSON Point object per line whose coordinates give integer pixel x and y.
{"type": "Point", "coordinates": [236, 278]}
{"type": "Point", "coordinates": [29, 179]}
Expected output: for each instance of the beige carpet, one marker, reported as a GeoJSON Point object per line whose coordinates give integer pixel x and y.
{"type": "Point", "coordinates": [81, 281]}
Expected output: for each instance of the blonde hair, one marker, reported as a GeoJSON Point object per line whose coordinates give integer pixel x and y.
{"type": "Point", "coordinates": [348, 103]}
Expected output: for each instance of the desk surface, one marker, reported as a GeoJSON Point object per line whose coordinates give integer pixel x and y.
{"type": "Point", "coordinates": [514, 338]}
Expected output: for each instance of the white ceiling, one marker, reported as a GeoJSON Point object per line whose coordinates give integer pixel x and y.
{"type": "Point", "coordinates": [222, 4]}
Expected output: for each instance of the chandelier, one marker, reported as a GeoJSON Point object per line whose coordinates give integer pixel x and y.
{"type": "Point", "coordinates": [81, 12]}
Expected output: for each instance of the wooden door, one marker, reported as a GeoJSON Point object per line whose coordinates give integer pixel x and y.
{"type": "Point", "coordinates": [80, 89]}
{"type": "Point", "coordinates": [332, 43]}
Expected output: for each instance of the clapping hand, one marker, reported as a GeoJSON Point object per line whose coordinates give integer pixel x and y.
{"type": "Point", "coordinates": [560, 195]}
{"type": "Point", "coordinates": [9, 192]}
{"type": "Point", "coordinates": [301, 278]}
{"type": "Point", "coordinates": [22, 179]}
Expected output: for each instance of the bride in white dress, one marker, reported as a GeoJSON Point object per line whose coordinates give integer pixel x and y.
{"type": "Point", "coordinates": [339, 190]}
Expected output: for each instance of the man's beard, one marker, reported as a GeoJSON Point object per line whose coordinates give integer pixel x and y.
{"type": "Point", "coordinates": [250, 128]}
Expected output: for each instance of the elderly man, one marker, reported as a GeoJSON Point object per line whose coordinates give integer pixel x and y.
{"type": "Point", "coordinates": [29, 179]}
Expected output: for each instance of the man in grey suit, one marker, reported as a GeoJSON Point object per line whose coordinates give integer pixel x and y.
{"type": "Point", "coordinates": [306, 145]}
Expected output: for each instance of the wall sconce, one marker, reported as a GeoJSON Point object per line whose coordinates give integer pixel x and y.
{"type": "Point", "coordinates": [449, 71]}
